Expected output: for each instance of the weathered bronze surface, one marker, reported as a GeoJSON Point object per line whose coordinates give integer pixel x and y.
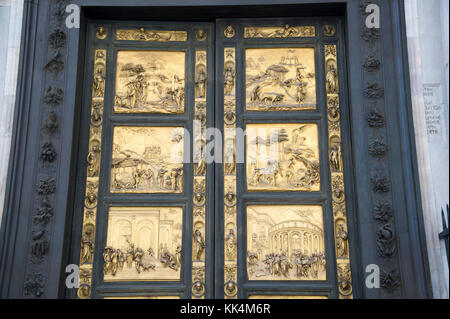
{"type": "Point", "coordinates": [147, 159]}
{"type": "Point", "coordinates": [283, 157]}
{"type": "Point", "coordinates": [150, 82]}
{"type": "Point", "coordinates": [285, 243]}
{"type": "Point", "coordinates": [280, 79]}
{"type": "Point", "coordinates": [143, 243]}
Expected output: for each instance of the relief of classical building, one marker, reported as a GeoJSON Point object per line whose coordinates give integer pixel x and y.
{"type": "Point", "coordinates": [143, 243]}
{"type": "Point", "coordinates": [285, 243]}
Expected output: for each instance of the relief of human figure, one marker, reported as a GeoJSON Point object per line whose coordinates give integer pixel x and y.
{"type": "Point", "coordinates": [228, 80]}
{"type": "Point", "coordinates": [331, 79]}
{"type": "Point", "coordinates": [301, 86]}
{"type": "Point", "coordinates": [342, 242]}
{"type": "Point", "coordinates": [99, 84]}
{"type": "Point", "coordinates": [201, 83]}
{"type": "Point", "coordinates": [87, 247]}
{"type": "Point", "coordinates": [230, 244]}
{"type": "Point", "coordinates": [199, 244]}
{"type": "Point", "coordinates": [335, 158]}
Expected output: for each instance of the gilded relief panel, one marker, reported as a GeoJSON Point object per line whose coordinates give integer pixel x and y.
{"type": "Point", "coordinates": [151, 35]}
{"type": "Point", "coordinates": [283, 157]}
{"type": "Point", "coordinates": [286, 31]}
{"type": "Point", "coordinates": [285, 243]}
{"type": "Point", "coordinates": [143, 243]}
{"type": "Point", "coordinates": [150, 82]}
{"type": "Point", "coordinates": [280, 79]}
{"type": "Point", "coordinates": [147, 160]}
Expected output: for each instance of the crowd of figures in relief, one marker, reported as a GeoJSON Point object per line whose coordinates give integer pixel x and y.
{"type": "Point", "coordinates": [143, 243]}
{"type": "Point", "coordinates": [150, 81]}
{"type": "Point", "coordinates": [143, 160]}
{"type": "Point", "coordinates": [285, 243]}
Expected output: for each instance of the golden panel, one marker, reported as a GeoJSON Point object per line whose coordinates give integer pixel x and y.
{"type": "Point", "coordinates": [147, 159]}
{"type": "Point", "coordinates": [143, 243]}
{"type": "Point", "coordinates": [151, 35]}
{"type": "Point", "coordinates": [337, 174]}
{"type": "Point", "coordinates": [92, 175]}
{"type": "Point", "coordinates": [283, 157]}
{"type": "Point", "coordinates": [285, 243]}
{"type": "Point", "coordinates": [280, 32]}
{"type": "Point", "coordinates": [150, 82]}
{"type": "Point", "coordinates": [281, 79]}
{"type": "Point", "coordinates": [287, 297]}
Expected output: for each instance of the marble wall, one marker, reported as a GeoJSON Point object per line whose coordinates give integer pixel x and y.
{"type": "Point", "coordinates": [10, 31]}
{"type": "Point", "coordinates": [427, 34]}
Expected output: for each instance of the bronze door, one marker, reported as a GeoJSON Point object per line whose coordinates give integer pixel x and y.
{"type": "Point", "coordinates": [171, 208]}
{"type": "Point", "coordinates": [284, 215]}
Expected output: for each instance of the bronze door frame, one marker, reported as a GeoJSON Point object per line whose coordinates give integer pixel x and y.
{"type": "Point", "coordinates": [208, 283]}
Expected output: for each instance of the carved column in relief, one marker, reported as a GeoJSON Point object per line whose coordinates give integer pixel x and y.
{"type": "Point", "coordinates": [337, 174]}
{"type": "Point", "coordinates": [93, 173]}
{"type": "Point", "coordinates": [199, 200]}
{"type": "Point", "coordinates": [230, 199]}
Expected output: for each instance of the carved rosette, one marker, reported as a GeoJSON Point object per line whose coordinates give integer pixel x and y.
{"type": "Point", "coordinates": [337, 175]}
{"type": "Point", "coordinates": [92, 179]}
{"type": "Point", "coordinates": [378, 163]}
{"type": "Point", "coordinates": [199, 199]}
{"type": "Point", "coordinates": [229, 154]}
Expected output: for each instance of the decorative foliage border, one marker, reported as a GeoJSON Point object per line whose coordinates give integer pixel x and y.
{"type": "Point", "coordinates": [378, 150]}
{"type": "Point", "coordinates": [48, 159]}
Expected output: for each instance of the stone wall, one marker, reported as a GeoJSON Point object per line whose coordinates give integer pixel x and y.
{"type": "Point", "coordinates": [10, 31]}
{"type": "Point", "coordinates": [427, 34]}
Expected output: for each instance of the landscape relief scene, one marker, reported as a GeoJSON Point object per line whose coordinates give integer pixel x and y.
{"type": "Point", "coordinates": [147, 159]}
{"type": "Point", "coordinates": [143, 243]}
{"type": "Point", "coordinates": [150, 82]}
{"type": "Point", "coordinates": [283, 157]}
{"type": "Point", "coordinates": [281, 79]}
{"type": "Point", "coordinates": [285, 243]}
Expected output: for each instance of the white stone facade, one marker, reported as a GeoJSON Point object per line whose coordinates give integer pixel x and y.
{"type": "Point", "coordinates": [427, 34]}
{"type": "Point", "coordinates": [10, 31]}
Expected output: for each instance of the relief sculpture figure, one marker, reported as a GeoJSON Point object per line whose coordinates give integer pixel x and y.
{"type": "Point", "coordinates": [150, 82]}
{"type": "Point", "coordinates": [143, 161]}
{"type": "Point", "coordinates": [280, 79]}
{"type": "Point", "coordinates": [285, 243]}
{"type": "Point", "coordinates": [295, 165]}
{"type": "Point", "coordinates": [199, 243]}
{"type": "Point", "coordinates": [143, 243]}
